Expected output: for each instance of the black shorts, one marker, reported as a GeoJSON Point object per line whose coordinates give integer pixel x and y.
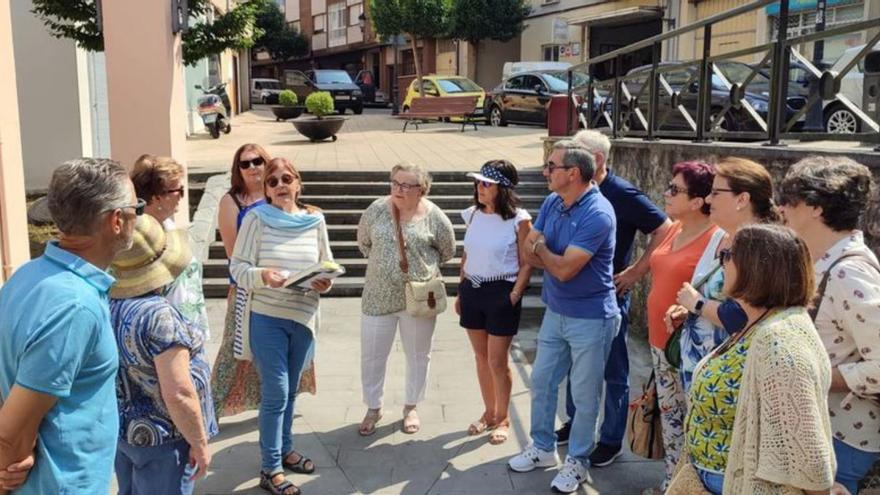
{"type": "Point", "coordinates": [488, 308]}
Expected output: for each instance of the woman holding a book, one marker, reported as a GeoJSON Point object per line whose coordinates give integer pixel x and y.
{"type": "Point", "coordinates": [284, 236]}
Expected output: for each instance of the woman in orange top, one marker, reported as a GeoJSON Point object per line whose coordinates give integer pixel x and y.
{"type": "Point", "coordinates": [672, 264]}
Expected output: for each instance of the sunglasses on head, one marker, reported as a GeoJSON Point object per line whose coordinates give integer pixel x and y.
{"type": "Point", "coordinates": [273, 181]}
{"type": "Point", "coordinates": [246, 164]}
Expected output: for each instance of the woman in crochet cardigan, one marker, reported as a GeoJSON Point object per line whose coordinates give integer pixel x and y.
{"type": "Point", "coordinates": [762, 394]}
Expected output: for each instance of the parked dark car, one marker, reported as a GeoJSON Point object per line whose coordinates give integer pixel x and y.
{"type": "Point", "coordinates": [685, 82]}
{"type": "Point", "coordinates": [524, 97]}
{"type": "Point", "coordinates": [346, 94]}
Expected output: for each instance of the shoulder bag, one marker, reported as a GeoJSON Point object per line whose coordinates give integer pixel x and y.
{"type": "Point", "coordinates": [672, 351]}
{"type": "Point", "coordinates": [425, 299]}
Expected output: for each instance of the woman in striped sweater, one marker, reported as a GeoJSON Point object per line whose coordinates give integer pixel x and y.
{"type": "Point", "coordinates": [282, 236]}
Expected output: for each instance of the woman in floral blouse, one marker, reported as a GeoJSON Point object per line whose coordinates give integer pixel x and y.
{"type": "Point", "coordinates": [822, 200]}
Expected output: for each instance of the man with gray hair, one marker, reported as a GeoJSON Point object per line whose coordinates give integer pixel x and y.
{"type": "Point", "coordinates": [58, 356]}
{"type": "Point", "coordinates": [573, 242]}
{"type": "Point", "coordinates": [635, 212]}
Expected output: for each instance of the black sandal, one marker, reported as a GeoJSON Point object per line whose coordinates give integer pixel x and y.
{"type": "Point", "coordinates": [303, 466]}
{"type": "Point", "coordinates": [281, 489]}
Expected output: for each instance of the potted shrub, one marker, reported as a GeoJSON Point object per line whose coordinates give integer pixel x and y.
{"type": "Point", "coordinates": [322, 126]}
{"type": "Point", "coordinates": [287, 106]}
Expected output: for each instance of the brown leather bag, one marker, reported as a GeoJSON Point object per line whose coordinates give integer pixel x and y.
{"type": "Point", "coordinates": [643, 423]}
{"type": "Point", "coordinates": [424, 299]}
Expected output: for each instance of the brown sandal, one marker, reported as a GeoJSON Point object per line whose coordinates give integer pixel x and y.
{"type": "Point", "coordinates": [479, 426]}
{"type": "Point", "coordinates": [411, 422]}
{"type": "Point", "coordinates": [500, 434]}
{"type": "Point", "coordinates": [371, 419]}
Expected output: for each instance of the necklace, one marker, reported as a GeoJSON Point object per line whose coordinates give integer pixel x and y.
{"type": "Point", "coordinates": [733, 339]}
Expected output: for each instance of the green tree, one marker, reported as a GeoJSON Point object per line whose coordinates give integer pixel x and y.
{"type": "Point", "coordinates": [418, 19]}
{"type": "Point", "coordinates": [499, 20]}
{"type": "Point", "coordinates": [78, 20]}
{"type": "Point", "coordinates": [279, 39]}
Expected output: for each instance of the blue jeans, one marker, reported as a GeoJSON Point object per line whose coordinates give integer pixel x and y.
{"type": "Point", "coordinates": [852, 465]}
{"type": "Point", "coordinates": [281, 348]}
{"type": "Point", "coordinates": [148, 470]}
{"type": "Point", "coordinates": [616, 385]}
{"type": "Point", "coordinates": [581, 346]}
{"type": "Point", "coordinates": [713, 482]}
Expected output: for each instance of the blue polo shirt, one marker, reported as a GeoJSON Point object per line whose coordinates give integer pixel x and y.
{"type": "Point", "coordinates": [56, 338]}
{"type": "Point", "coordinates": [634, 212]}
{"type": "Point", "coordinates": [588, 224]}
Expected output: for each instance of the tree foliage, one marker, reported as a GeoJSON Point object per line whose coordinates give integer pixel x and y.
{"type": "Point", "coordinates": [279, 40]}
{"type": "Point", "coordinates": [78, 20]}
{"type": "Point", "coordinates": [499, 20]}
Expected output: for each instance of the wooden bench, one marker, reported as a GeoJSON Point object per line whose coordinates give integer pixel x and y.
{"type": "Point", "coordinates": [430, 108]}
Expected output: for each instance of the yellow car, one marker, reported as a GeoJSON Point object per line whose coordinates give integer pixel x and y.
{"type": "Point", "coordinates": [440, 86]}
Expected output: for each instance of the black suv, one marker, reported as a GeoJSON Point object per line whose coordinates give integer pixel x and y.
{"type": "Point", "coordinates": [524, 97]}
{"type": "Point", "coordinates": [346, 94]}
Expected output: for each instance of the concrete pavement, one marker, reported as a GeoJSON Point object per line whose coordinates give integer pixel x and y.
{"type": "Point", "coordinates": [440, 459]}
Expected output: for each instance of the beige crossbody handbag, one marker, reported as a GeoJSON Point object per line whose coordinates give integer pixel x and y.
{"type": "Point", "coordinates": [423, 299]}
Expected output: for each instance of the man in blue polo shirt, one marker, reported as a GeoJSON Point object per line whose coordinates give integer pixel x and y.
{"type": "Point", "coordinates": [58, 356]}
{"type": "Point", "coordinates": [573, 242]}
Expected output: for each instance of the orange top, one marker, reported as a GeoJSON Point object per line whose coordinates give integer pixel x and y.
{"type": "Point", "coordinates": [669, 271]}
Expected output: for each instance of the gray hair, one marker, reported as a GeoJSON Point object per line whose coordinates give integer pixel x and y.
{"type": "Point", "coordinates": [576, 156]}
{"type": "Point", "coordinates": [82, 189]}
{"type": "Point", "coordinates": [594, 141]}
{"type": "Point", "coordinates": [421, 174]}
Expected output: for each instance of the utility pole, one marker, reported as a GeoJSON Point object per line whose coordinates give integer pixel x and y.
{"type": "Point", "coordinates": [815, 117]}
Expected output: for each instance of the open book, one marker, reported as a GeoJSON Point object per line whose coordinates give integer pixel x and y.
{"type": "Point", "coordinates": [323, 270]}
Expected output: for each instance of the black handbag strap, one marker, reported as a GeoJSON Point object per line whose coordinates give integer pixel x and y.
{"type": "Point", "coordinates": [820, 291]}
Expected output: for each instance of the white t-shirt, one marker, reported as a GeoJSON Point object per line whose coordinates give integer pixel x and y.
{"type": "Point", "coordinates": [490, 243]}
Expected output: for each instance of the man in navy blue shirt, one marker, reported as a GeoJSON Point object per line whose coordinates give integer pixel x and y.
{"type": "Point", "coordinates": [573, 242]}
{"type": "Point", "coordinates": [635, 213]}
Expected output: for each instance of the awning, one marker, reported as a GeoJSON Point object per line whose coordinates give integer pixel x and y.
{"type": "Point", "coordinates": [628, 15]}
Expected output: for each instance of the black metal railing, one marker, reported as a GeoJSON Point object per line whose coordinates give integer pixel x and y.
{"type": "Point", "coordinates": [699, 100]}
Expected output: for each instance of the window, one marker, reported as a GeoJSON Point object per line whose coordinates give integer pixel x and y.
{"type": "Point", "coordinates": [458, 86]}
{"type": "Point", "coordinates": [320, 20]}
{"type": "Point", "coordinates": [407, 65]}
{"type": "Point", "coordinates": [516, 83]}
{"type": "Point", "coordinates": [336, 24]}
{"type": "Point", "coordinates": [804, 22]}
{"type": "Point", "coordinates": [354, 13]}
{"type": "Point", "coordinates": [550, 53]}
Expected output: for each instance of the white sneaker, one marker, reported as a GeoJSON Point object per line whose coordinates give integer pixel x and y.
{"type": "Point", "coordinates": [531, 458]}
{"type": "Point", "coordinates": [570, 476]}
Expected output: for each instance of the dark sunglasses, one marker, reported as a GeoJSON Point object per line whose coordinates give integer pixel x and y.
{"type": "Point", "coordinates": [179, 190]}
{"type": "Point", "coordinates": [273, 181]}
{"type": "Point", "coordinates": [674, 190]}
{"type": "Point", "coordinates": [246, 164]}
{"type": "Point", "coordinates": [724, 256]}
{"type": "Point", "coordinates": [485, 184]}
{"type": "Point", "coordinates": [138, 207]}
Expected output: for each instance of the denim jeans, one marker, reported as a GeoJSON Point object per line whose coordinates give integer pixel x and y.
{"type": "Point", "coordinates": [581, 346]}
{"type": "Point", "coordinates": [280, 348]}
{"type": "Point", "coordinates": [852, 465]}
{"type": "Point", "coordinates": [616, 385]}
{"type": "Point", "coordinates": [148, 470]}
{"type": "Point", "coordinates": [713, 482]}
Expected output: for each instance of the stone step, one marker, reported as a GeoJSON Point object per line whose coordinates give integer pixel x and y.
{"type": "Point", "coordinates": [341, 249]}
{"type": "Point", "coordinates": [458, 202]}
{"type": "Point", "coordinates": [352, 217]}
{"type": "Point", "coordinates": [349, 232]}
{"type": "Point", "coordinates": [531, 174]}
{"type": "Point", "coordinates": [354, 267]}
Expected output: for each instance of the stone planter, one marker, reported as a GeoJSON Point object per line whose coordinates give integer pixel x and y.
{"type": "Point", "coordinates": [285, 113]}
{"type": "Point", "coordinates": [319, 129]}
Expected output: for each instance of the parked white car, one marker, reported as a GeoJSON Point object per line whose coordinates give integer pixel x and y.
{"type": "Point", "coordinates": [265, 90]}
{"type": "Point", "coordinates": [838, 118]}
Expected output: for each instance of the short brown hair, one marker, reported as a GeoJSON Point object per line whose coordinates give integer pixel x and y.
{"type": "Point", "coordinates": [761, 249]}
{"type": "Point", "coordinates": [152, 174]}
{"type": "Point", "coordinates": [277, 163]}
{"type": "Point", "coordinates": [750, 177]}
{"type": "Point", "coordinates": [236, 180]}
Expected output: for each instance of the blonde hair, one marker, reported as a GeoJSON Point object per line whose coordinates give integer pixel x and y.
{"type": "Point", "coordinates": [152, 174]}
{"type": "Point", "coordinates": [420, 172]}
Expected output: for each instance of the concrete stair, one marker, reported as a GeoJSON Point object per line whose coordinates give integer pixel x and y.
{"type": "Point", "coordinates": [343, 196]}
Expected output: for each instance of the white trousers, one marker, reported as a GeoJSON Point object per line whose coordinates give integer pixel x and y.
{"type": "Point", "coordinates": [377, 337]}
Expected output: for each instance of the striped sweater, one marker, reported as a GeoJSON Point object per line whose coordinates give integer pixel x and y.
{"type": "Point", "coordinates": [260, 246]}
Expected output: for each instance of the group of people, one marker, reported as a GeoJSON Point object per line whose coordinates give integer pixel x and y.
{"type": "Point", "coordinates": [761, 321]}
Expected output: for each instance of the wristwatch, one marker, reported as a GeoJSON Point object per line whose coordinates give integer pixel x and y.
{"type": "Point", "coordinates": [698, 308]}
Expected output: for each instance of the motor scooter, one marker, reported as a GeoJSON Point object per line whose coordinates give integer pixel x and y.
{"type": "Point", "coordinates": [214, 109]}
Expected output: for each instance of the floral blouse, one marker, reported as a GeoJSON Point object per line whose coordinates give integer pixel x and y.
{"type": "Point", "coordinates": [847, 321]}
{"type": "Point", "coordinates": [429, 241]}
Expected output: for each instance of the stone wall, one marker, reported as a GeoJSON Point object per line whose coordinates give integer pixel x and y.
{"type": "Point", "coordinates": [648, 166]}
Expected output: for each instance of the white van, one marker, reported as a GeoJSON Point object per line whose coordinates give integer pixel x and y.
{"type": "Point", "coordinates": [265, 90]}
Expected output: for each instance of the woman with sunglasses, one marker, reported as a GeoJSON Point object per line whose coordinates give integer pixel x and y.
{"type": "Point", "coordinates": [493, 278]}
{"type": "Point", "coordinates": [672, 264]}
{"type": "Point", "coordinates": [235, 383]}
{"type": "Point", "coordinates": [758, 419]}
{"type": "Point", "coordinates": [281, 237]}
{"type": "Point", "coordinates": [741, 194]}
{"type": "Point", "coordinates": [159, 180]}
{"type": "Point", "coordinates": [429, 241]}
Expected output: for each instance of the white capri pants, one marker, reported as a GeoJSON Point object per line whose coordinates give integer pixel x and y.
{"type": "Point", "coordinates": [377, 337]}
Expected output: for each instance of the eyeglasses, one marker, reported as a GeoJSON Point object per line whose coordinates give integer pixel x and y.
{"type": "Point", "coordinates": [246, 164]}
{"type": "Point", "coordinates": [138, 207]}
{"type": "Point", "coordinates": [483, 183]}
{"type": "Point", "coordinates": [403, 187]}
{"type": "Point", "coordinates": [550, 166]}
{"type": "Point", "coordinates": [179, 190]}
{"type": "Point", "coordinates": [674, 190]}
{"type": "Point", "coordinates": [715, 191]}
{"type": "Point", "coordinates": [273, 181]}
{"type": "Point", "coordinates": [725, 255]}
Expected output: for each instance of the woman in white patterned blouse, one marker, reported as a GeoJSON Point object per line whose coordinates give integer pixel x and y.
{"type": "Point", "coordinates": [822, 199]}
